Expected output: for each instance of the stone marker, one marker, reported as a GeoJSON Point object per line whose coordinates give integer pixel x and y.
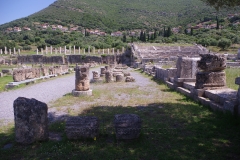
{"type": "Point", "coordinates": [130, 79]}
{"type": "Point", "coordinates": [31, 120]}
{"type": "Point", "coordinates": [127, 126]}
{"type": "Point", "coordinates": [119, 78]}
{"type": "Point", "coordinates": [103, 71]}
{"type": "Point", "coordinates": [96, 77]}
{"type": "Point", "coordinates": [82, 127]}
{"type": "Point", "coordinates": [82, 84]}
{"type": "Point", "coordinates": [109, 76]}
{"type": "Point", "coordinates": [1, 74]}
{"type": "Point", "coordinates": [0, 51]}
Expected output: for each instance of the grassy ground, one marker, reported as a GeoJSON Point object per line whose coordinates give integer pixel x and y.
{"type": "Point", "coordinates": [232, 50]}
{"type": "Point", "coordinates": [174, 127]}
{"type": "Point", "coordinates": [231, 75]}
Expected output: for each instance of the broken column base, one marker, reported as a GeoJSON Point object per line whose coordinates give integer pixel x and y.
{"type": "Point", "coordinates": [96, 80]}
{"type": "Point", "coordinates": [81, 93]}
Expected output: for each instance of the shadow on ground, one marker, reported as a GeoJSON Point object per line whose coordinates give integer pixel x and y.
{"type": "Point", "coordinates": [169, 131]}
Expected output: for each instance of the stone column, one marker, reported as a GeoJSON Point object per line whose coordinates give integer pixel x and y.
{"type": "Point", "coordinates": [98, 51]}
{"type": "Point", "coordinates": [79, 50]}
{"type": "Point", "coordinates": [103, 51]}
{"type": "Point", "coordinates": [93, 50]}
{"type": "Point", "coordinates": [70, 49]}
{"type": "Point", "coordinates": [83, 50]}
{"type": "Point", "coordinates": [19, 51]}
{"type": "Point", "coordinates": [108, 51]}
{"type": "Point", "coordinates": [109, 77]}
{"type": "Point", "coordinates": [123, 49]}
{"type": "Point", "coordinates": [60, 50]}
{"type": "Point", "coordinates": [88, 49]}
{"type": "Point", "coordinates": [51, 49]}
{"type": "Point", "coordinates": [117, 51]}
{"type": "Point", "coordinates": [113, 51]}
{"type": "Point", "coordinates": [37, 51]}
{"type": "Point", "coordinates": [10, 51]}
{"type": "Point", "coordinates": [0, 51]}
{"type": "Point", "coordinates": [31, 120]}
{"type": "Point", "coordinates": [82, 83]}
{"type": "Point", "coordinates": [65, 50]}
{"type": "Point", "coordinates": [55, 50]}
{"type": "Point", "coordinates": [74, 50]}
{"type": "Point", "coordinates": [5, 50]}
{"type": "Point", "coordinates": [42, 50]}
{"type": "Point", "coordinates": [14, 50]}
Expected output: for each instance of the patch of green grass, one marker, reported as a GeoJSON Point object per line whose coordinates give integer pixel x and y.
{"type": "Point", "coordinates": [3, 81]}
{"type": "Point", "coordinates": [231, 75]}
{"type": "Point", "coordinates": [173, 127]}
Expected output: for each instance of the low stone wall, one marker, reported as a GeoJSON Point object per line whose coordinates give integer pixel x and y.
{"type": "Point", "coordinates": [30, 73]}
{"type": "Point", "coordinates": [73, 59]}
{"type": "Point", "coordinates": [165, 74]}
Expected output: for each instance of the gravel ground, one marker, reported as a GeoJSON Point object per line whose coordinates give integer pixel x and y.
{"type": "Point", "coordinates": [46, 91]}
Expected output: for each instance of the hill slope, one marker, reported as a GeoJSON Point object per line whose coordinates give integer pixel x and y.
{"type": "Point", "coordinates": [121, 15]}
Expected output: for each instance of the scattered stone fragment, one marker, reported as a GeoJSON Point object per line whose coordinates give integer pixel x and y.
{"type": "Point", "coordinates": [82, 127]}
{"type": "Point", "coordinates": [127, 126]}
{"type": "Point", "coordinates": [130, 79]}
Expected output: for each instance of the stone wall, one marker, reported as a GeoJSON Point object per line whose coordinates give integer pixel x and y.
{"type": "Point", "coordinates": [73, 59]}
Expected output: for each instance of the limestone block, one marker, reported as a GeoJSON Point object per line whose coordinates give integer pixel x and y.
{"type": "Point", "coordinates": [186, 67]}
{"type": "Point", "coordinates": [1, 74]}
{"type": "Point", "coordinates": [130, 79]}
{"type": "Point", "coordinates": [45, 71]}
{"type": "Point", "coordinates": [127, 126]}
{"type": "Point", "coordinates": [95, 75]}
{"type": "Point", "coordinates": [18, 75]}
{"type": "Point", "coordinates": [109, 77]}
{"type": "Point", "coordinates": [126, 74]}
{"type": "Point", "coordinates": [82, 82]}
{"type": "Point", "coordinates": [212, 62]}
{"type": "Point", "coordinates": [210, 80]}
{"type": "Point", "coordinates": [119, 78]}
{"type": "Point", "coordinates": [82, 127]}
{"type": "Point", "coordinates": [31, 120]}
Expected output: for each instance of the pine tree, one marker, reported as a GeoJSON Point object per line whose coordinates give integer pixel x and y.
{"type": "Point", "coordinates": [169, 32]}
{"type": "Point", "coordinates": [191, 31]}
{"type": "Point", "coordinates": [141, 36]}
{"type": "Point", "coordinates": [144, 37]}
{"type": "Point", "coordinates": [155, 34]}
{"type": "Point", "coordinates": [164, 32]}
{"type": "Point", "coordinates": [217, 23]}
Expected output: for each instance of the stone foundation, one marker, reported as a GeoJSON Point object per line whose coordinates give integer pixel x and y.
{"type": "Point", "coordinates": [81, 93]}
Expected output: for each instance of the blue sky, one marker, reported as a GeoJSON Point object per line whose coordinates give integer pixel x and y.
{"type": "Point", "coordinates": [15, 9]}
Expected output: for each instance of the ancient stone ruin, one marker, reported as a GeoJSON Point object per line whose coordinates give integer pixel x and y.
{"type": "Point", "coordinates": [31, 120]}
{"type": "Point", "coordinates": [211, 75]}
{"type": "Point", "coordinates": [82, 82]}
{"type": "Point", "coordinates": [109, 77]}
{"type": "Point", "coordinates": [96, 77]}
{"type": "Point", "coordinates": [127, 126]}
{"type": "Point", "coordinates": [82, 127]}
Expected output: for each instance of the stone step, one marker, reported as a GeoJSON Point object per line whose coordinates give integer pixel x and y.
{"type": "Point", "coordinates": [189, 85]}
{"type": "Point", "coordinates": [170, 85]}
{"type": "Point", "coordinates": [184, 91]}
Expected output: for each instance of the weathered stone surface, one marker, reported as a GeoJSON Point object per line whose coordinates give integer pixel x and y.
{"type": "Point", "coordinates": [31, 122]}
{"type": "Point", "coordinates": [18, 75]}
{"type": "Point", "coordinates": [238, 55]}
{"type": "Point", "coordinates": [126, 74]}
{"type": "Point", "coordinates": [82, 78]}
{"type": "Point", "coordinates": [127, 126]}
{"type": "Point", "coordinates": [109, 77]}
{"type": "Point", "coordinates": [210, 80]}
{"type": "Point", "coordinates": [45, 71]}
{"type": "Point", "coordinates": [82, 127]}
{"type": "Point", "coordinates": [130, 79]}
{"type": "Point", "coordinates": [212, 62]}
{"type": "Point", "coordinates": [95, 75]}
{"type": "Point", "coordinates": [103, 70]}
{"type": "Point", "coordinates": [186, 67]}
{"type": "Point", "coordinates": [119, 78]}
{"type": "Point", "coordinates": [1, 74]}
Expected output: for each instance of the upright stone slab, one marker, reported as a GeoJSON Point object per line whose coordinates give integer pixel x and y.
{"type": "Point", "coordinates": [82, 82]}
{"type": "Point", "coordinates": [103, 71]}
{"type": "Point", "coordinates": [82, 127]}
{"type": "Point", "coordinates": [238, 53]}
{"type": "Point", "coordinates": [127, 126]}
{"type": "Point", "coordinates": [31, 120]}
{"type": "Point", "coordinates": [186, 67]}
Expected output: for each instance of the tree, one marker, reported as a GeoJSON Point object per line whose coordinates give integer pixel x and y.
{"type": "Point", "coordinates": [224, 43]}
{"type": "Point", "coordinates": [217, 23]}
{"type": "Point", "coordinates": [169, 32]}
{"type": "Point", "coordinates": [124, 38]}
{"type": "Point", "coordinates": [222, 3]}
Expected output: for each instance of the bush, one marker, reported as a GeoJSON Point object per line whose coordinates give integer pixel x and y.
{"type": "Point", "coordinates": [224, 43]}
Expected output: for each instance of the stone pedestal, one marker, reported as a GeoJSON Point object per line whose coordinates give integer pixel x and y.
{"type": "Point", "coordinates": [31, 120]}
{"type": "Point", "coordinates": [109, 77]}
{"type": "Point", "coordinates": [103, 71]}
{"type": "Point", "coordinates": [81, 93]}
{"type": "Point", "coordinates": [119, 78]}
{"type": "Point", "coordinates": [82, 127]}
{"type": "Point", "coordinates": [127, 126]}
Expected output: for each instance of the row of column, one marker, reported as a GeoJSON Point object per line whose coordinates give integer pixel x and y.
{"type": "Point", "coordinates": [74, 50]}
{"type": "Point", "coordinates": [9, 51]}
